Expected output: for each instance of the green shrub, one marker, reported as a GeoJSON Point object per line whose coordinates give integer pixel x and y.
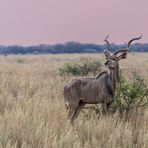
{"type": "Point", "coordinates": [83, 67]}
{"type": "Point", "coordinates": [70, 68]}
{"type": "Point", "coordinates": [131, 95]}
{"type": "Point", "coordinates": [21, 60]}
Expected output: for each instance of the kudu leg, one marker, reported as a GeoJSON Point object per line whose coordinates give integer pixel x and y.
{"type": "Point", "coordinates": [109, 107]}
{"type": "Point", "coordinates": [75, 110]}
{"type": "Point", "coordinates": [72, 110]}
{"type": "Point", "coordinates": [78, 109]}
{"type": "Point", "coordinates": [104, 108]}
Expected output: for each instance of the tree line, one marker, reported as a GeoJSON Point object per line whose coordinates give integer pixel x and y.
{"type": "Point", "coordinates": [69, 47]}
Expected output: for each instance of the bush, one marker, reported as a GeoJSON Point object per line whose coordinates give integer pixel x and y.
{"type": "Point", "coordinates": [21, 60]}
{"type": "Point", "coordinates": [131, 95]}
{"type": "Point", "coordinates": [84, 67]}
{"type": "Point", "coordinates": [70, 68]}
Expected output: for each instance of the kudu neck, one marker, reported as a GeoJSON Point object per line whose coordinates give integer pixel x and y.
{"type": "Point", "coordinates": [117, 72]}
{"type": "Point", "coordinates": [114, 73]}
{"type": "Point", "coordinates": [114, 77]}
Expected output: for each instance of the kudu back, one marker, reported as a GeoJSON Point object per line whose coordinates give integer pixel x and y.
{"type": "Point", "coordinates": [100, 89]}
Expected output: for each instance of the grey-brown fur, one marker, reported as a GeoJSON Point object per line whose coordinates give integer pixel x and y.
{"type": "Point", "coordinates": [100, 89]}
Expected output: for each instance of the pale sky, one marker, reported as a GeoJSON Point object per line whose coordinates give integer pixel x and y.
{"type": "Point", "coordinates": [29, 22]}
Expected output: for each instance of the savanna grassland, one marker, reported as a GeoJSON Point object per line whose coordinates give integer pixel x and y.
{"type": "Point", "coordinates": [33, 115]}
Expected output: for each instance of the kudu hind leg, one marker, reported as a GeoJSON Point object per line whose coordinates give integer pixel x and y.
{"type": "Point", "coordinates": [78, 109]}
{"type": "Point", "coordinates": [72, 110]}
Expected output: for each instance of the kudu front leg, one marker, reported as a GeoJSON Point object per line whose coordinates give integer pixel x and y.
{"type": "Point", "coordinates": [104, 108]}
{"type": "Point", "coordinates": [109, 108]}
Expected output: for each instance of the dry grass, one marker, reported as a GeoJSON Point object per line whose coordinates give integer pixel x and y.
{"type": "Point", "coordinates": [32, 113]}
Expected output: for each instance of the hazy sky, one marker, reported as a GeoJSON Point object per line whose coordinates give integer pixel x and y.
{"type": "Point", "coordinates": [27, 22]}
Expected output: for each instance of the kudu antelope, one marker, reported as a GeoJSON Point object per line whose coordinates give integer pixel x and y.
{"type": "Point", "coordinates": [100, 89]}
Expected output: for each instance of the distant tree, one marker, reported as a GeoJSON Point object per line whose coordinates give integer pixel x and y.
{"type": "Point", "coordinates": [69, 47]}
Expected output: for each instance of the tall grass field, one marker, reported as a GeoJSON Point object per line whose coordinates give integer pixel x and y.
{"type": "Point", "coordinates": [33, 114]}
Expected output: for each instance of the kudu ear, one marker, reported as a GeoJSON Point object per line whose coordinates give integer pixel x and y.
{"type": "Point", "coordinates": [123, 55]}
{"type": "Point", "coordinates": [107, 53]}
